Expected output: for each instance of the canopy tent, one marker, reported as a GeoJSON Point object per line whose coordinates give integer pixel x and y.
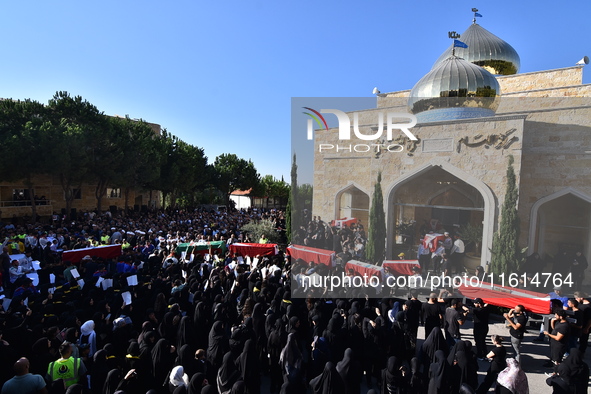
{"type": "Point", "coordinates": [402, 267]}
{"type": "Point", "coordinates": [252, 249]}
{"type": "Point", "coordinates": [105, 252]}
{"type": "Point", "coordinates": [507, 297]}
{"type": "Point", "coordinates": [308, 254]}
{"type": "Point", "coordinates": [202, 247]}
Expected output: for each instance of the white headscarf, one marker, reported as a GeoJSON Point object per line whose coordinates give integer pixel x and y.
{"type": "Point", "coordinates": [178, 377]}
{"type": "Point", "coordinates": [87, 329]}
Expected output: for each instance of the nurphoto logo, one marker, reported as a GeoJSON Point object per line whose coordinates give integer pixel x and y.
{"type": "Point", "coordinates": [345, 130]}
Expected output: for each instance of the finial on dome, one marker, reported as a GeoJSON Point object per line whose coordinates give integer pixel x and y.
{"type": "Point", "coordinates": [454, 36]}
{"type": "Point", "coordinates": [476, 15]}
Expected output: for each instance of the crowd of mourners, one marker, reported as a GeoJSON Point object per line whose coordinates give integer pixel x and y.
{"type": "Point", "coordinates": [226, 324]}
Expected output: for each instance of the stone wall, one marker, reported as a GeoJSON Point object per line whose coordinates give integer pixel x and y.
{"type": "Point", "coordinates": [557, 78]}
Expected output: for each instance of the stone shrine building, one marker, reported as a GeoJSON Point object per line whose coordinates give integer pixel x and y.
{"type": "Point", "coordinates": [474, 110]}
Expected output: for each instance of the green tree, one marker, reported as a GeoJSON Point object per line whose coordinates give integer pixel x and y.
{"type": "Point", "coordinates": [269, 187]}
{"type": "Point", "coordinates": [292, 221]}
{"type": "Point", "coordinates": [106, 148]}
{"type": "Point", "coordinates": [23, 144]}
{"type": "Point", "coordinates": [376, 240]}
{"type": "Point", "coordinates": [139, 169]}
{"type": "Point", "coordinates": [184, 168]}
{"type": "Point", "coordinates": [257, 228]}
{"type": "Point", "coordinates": [505, 250]}
{"type": "Point", "coordinates": [233, 173]}
{"type": "Point", "coordinates": [71, 123]}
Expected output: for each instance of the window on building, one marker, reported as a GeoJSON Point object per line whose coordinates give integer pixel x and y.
{"type": "Point", "coordinates": [113, 192]}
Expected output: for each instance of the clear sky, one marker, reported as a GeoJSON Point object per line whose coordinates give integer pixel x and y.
{"type": "Point", "coordinates": [221, 74]}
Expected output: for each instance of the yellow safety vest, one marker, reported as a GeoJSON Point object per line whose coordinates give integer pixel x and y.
{"type": "Point", "coordinates": [64, 369]}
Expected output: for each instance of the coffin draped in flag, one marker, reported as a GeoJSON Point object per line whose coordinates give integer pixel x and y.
{"type": "Point", "coordinates": [105, 252]}
{"type": "Point", "coordinates": [202, 247]}
{"type": "Point", "coordinates": [402, 267]}
{"type": "Point", "coordinates": [508, 297]}
{"type": "Point", "coordinates": [308, 254]}
{"type": "Point", "coordinates": [430, 241]}
{"type": "Point", "coordinates": [252, 249]}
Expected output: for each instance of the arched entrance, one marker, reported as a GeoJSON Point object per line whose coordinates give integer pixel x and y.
{"type": "Point", "coordinates": [440, 197]}
{"type": "Point", "coordinates": [561, 222]}
{"type": "Point", "coordinates": [352, 202]}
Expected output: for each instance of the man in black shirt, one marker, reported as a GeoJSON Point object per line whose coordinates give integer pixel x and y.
{"type": "Point", "coordinates": [576, 326]}
{"type": "Point", "coordinates": [585, 307]}
{"type": "Point", "coordinates": [454, 318]}
{"type": "Point", "coordinates": [480, 313]}
{"type": "Point", "coordinates": [517, 320]}
{"type": "Point", "coordinates": [431, 314]}
{"type": "Point", "coordinates": [559, 336]}
{"type": "Point", "coordinates": [413, 313]}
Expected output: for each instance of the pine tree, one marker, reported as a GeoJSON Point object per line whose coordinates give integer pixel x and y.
{"type": "Point", "coordinates": [292, 214]}
{"type": "Point", "coordinates": [376, 240]}
{"type": "Point", "coordinates": [505, 251]}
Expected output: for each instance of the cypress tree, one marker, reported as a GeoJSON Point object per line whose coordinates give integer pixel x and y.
{"type": "Point", "coordinates": [376, 240]}
{"type": "Point", "coordinates": [505, 251]}
{"type": "Point", "coordinates": [292, 214]}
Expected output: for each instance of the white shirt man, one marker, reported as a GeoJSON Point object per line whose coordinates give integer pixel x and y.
{"type": "Point", "coordinates": [458, 246]}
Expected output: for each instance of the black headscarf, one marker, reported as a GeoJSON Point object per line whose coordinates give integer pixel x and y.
{"type": "Point", "coordinates": [113, 378]}
{"type": "Point", "coordinates": [186, 358]}
{"type": "Point", "coordinates": [248, 365]}
{"type": "Point", "coordinates": [328, 382]}
{"type": "Point", "coordinates": [196, 383]}
{"type": "Point", "coordinates": [218, 344]}
{"type": "Point", "coordinates": [291, 356]}
{"type": "Point", "coordinates": [392, 379]}
{"type": "Point", "coordinates": [350, 371]}
{"type": "Point", "coordinates": [438, 374]}
{"type": "Point", "coordinates": [185, 334]}
{"type": "Point", "coordinates": [572, 366]}
{"type": "Point", "coordinates": [459, 346]}
{"type": "Point", "coordinates": [238, 388]}
{"type": "Point", "coordinates": [434, 342]}
{"type": "Point", "coordinates": [99, 373]}
{"type": "Point", "coordinates": [228, 374]}
{"type": "Point", "coordinates": [162, 361]}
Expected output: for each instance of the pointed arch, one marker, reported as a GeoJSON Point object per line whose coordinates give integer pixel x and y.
{"type": "Point", "coordinates": [535, 210]}
{"type": "Point", "coordinates": [490, 206]}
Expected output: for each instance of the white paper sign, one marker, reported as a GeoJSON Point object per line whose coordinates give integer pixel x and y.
{"type": "Point", "coordinates": [126, 298]}
{"type": "Point", "coordinates": [26, 302]}
{"type": "Point", "coordinates": [99, 281]}
{"type": "Point", "coordinates": [34, 278]}
{"type": "Point", "coordinates": [36, 265]}
{"type": "Point", "coordinates": [74, 273]}
{"type": "Point", "coordinates": [51, 290]}
{"type": "Point", "coordinates": [107, 283]}
{"type": "Point", "coordinates": [81, 283]}
{"type": "Point", "coordinates": [132, 280]}
{"type": "Point", "coordinates": [51, 278]}
{"type": "Point", "coordinates": [255, 262]}
{"type": "Point", "coordinates": [6, 303]}
{"type": "Point", "coordinates": [248, 260]}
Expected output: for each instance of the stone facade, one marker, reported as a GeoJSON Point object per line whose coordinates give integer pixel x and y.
{"type": "Point", "coordinates": [542, 121]}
